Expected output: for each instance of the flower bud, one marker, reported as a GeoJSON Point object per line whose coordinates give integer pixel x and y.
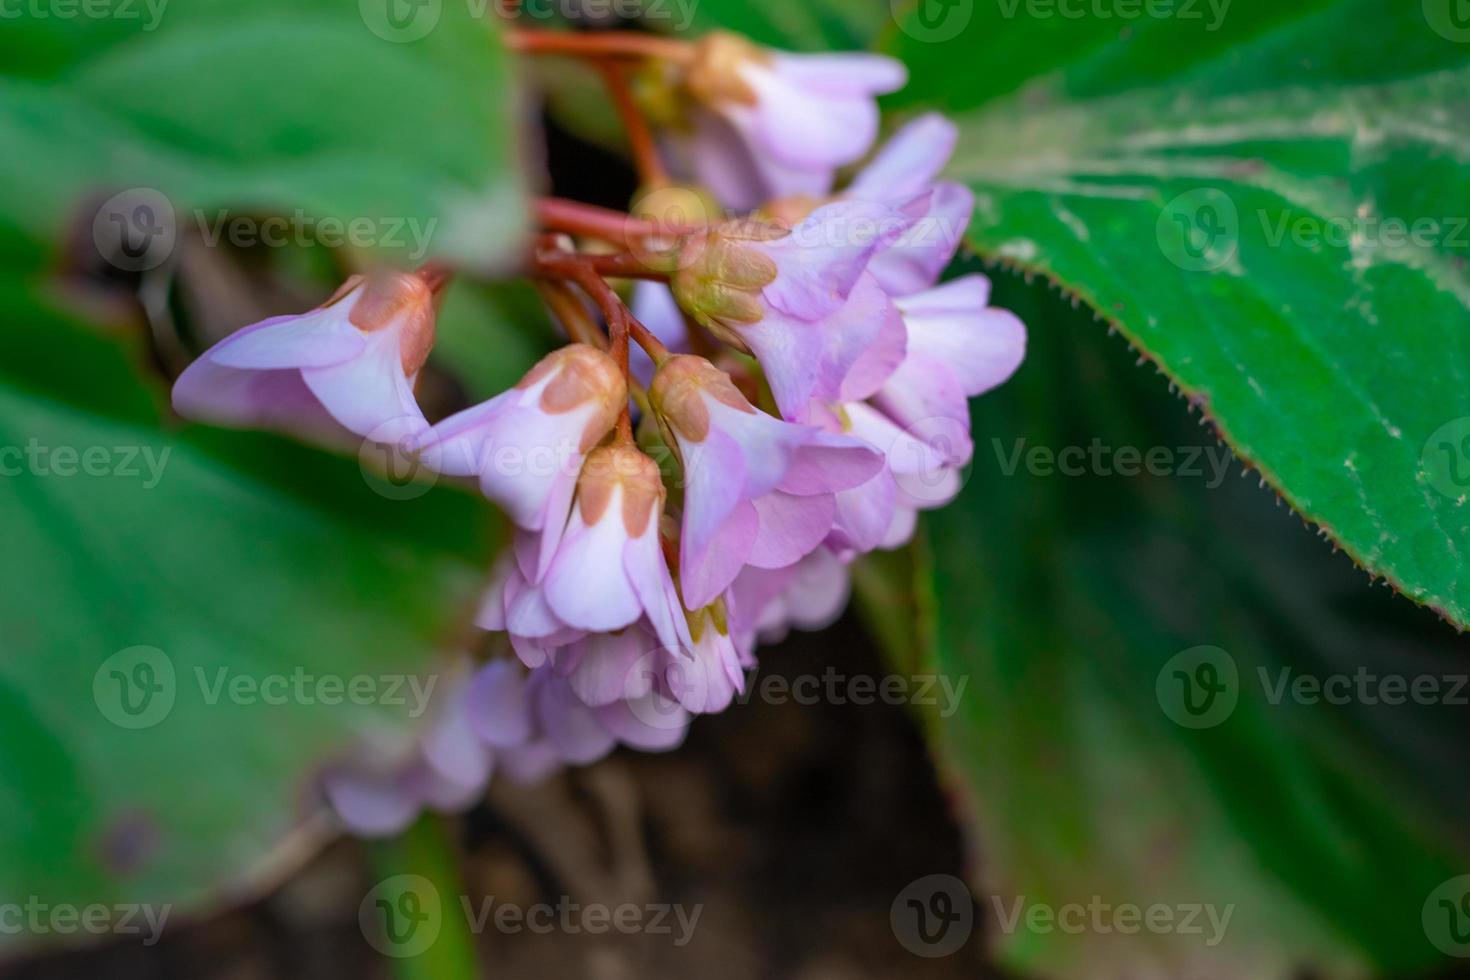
{"type": "Point", "coordinates": [620, 467]}
{"type": "Point", "coordinates": [390, 299]}
{"type": "Point", "coordinates": [677, 395]}
{"type": "Point", "coordinates": [714, 77]}
{"type": "Point", "coordinates": [720, 277]}
{"type": "Point", "coordinates": [580, 375]}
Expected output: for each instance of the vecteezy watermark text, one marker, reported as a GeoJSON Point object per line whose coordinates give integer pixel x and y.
{"type": "Point", "coordinates": [410, 235]}
{"type": "Point", "coordinates": [36, 917]}
{"type": "Point", "coordinates": [149, 12]}
{"type": "Point", "coordinates": [406, 21]}
{"type": "Point", "coordinates": [37, 459]}
{"type": "Point", "coordinates": [402, 917]}
{"type": "Point", "coordinates": [1102, 917]}
{"type": "Point", "coordinates": [1100, 459]}
{"type": "Point", "coordinates": [569, 917]}
{"type": "Point", "coordinates": [138, 688]}
{"type": "Point", "coordinates": [831, 687]}
{"type": "Point", "coordinates": [1210, 12]}
{"type": "Point", "coordinates": [1202, 686]}
{"type": "Point", "coordinates": [327, 690]}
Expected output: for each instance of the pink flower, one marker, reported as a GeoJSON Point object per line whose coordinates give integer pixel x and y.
{"type": "Point", "coordinates": [905, 169]}
{"type": "Point", "coordinates": [757, 490]}
{"type": "Point", "coordinates": [657, 684]}
{"type": "Point", "coordinates": [447, 771]}
{"type": "Point", "coordinates": [527, 445]}
{"type": "Point", "coordinates": [800, 300]}
{"type": "Point", "coordinates": [809, 595]}
{"type": "Point", "coordinates": [917, 475]}
{"type": "Point", "coordinates": [778, 123]}
{"type": "Point", "coordinates": [707, 680]}
{"type": "Point", "coordinates": [598, 569]}
{"type": "Point", "coordinates": [958, 347]}
{"type": "Point", "coordinates": [348, 366]}
{"type": "Point", "coordinates": [535, 721]}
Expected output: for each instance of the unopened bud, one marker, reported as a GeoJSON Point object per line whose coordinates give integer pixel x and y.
{"type": "Point", "coordinates": [394, 299]}
{"type": "Point", "coordinates": [678, 391]}
{"type": "Point", "coordinates": [621, 467]}
{"type": "Point", "coordinates": [713, 75]}
{"type": "Point", "coordinates": [720, 278]}
{"type": "Point", "coordinates": [581, 375]}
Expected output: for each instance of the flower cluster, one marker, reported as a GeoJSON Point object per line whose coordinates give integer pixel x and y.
{"type": "Point", "coordinates": [798, 395]}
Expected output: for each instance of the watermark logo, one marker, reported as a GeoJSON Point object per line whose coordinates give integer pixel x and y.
{"type": "Point", "coordinates": [933, 916]}
{"type": "Point", "coordinates": [136, 230]}
{"type": "Point", "coordinates": [1450, 19]}
{"type": "Point", "coordinates": [1445, 459]}
{"type": "Point", "coordinates": [1446, 917]}
{"type": "Point", "coordinates": [924, 459]}
{"type": "Point", "coordinates": [401, 21]}
{"type": "Point", "coordinates": [1199, 231]}
{"type": "Point", "coordinates": [135, 688]}
{"type": "Point", "coordinates": [393, 463]}
{"type": "Point", "coordinates": [933, 21]}
{"type": "Point", "coordinates": [401, 917]}
{"type": "Point", "coordinates": [1199, 687]}
{"type": "Point", "coordinates": [672, 211]}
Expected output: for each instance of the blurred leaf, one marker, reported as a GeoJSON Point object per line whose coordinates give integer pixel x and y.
{"type": "Point", "coordinates": [489, 336]}
{"type": "Point", "coordinates": [326, 113]}
{"type": "Point", "coordinates": [1272, 206]}
{"type": "Point", "coordinates": [135, 777]}
{"type": "Point", "coordinates": [892, 598]}
{"type": "Point", "coordinates": [801, 25]}
{"type": "Point", "coordinates": [1066, 587]}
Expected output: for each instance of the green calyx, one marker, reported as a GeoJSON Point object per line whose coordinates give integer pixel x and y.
{"type": "Point", "coordinates": [720, 277]}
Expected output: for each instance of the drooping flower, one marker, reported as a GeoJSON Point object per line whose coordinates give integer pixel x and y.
{"type": "Point", "coordinates": [535, 721]}
{"type": "Point", "coordinates": [809, 595]}
{"type": "Point", "coordinates": [348, 366]}
{"type": "Point", "coordinates": [707, 680]}
{"type": "Point", "coordinates": [775, 123]}
{"type": "Point", "coordinates": [907, 167]}
{"type": "Point", "coordinates": [800, 300]}
{"type": "Point", "coordinates": [917, 475]}
{"type": "Point", "coordinates": [757, 491]}
{"type": "Point", "coordinates": [958, 347]}
{"type": "Point", "coordinates": [598, 569]}
{"type": "Point", "coordinates": [527, 445]}
{"type": "Point", "coordinates": [448, 771]}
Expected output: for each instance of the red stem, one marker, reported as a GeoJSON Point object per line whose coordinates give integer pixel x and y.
{"type": "Point", "coordinates": [567, 308]}
{"type": "Point", "coordinates": [436, 275]}
{"type": "Point", "coordinates": [576, 218]}
{"type": "Point", "coordinates": [640, 137]}
{"type": "Point", "coordinates": [603, 45]}
{"type": "Point", "coordinates": [585, 272]}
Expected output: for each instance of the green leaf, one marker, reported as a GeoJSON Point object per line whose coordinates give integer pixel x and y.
{"type": "Point", "coordinates": [489, 336]}
{"type": "Point", "coordinates": [357, 130]}
{"type": "Point", "coordinates": [144, 558]}
{"type": "Point", "coordinates": [800, 25]}
{"type": "Point", "coordinates": [1272, 207]}
{"type": "Point", "coordinates": [1071, 582]}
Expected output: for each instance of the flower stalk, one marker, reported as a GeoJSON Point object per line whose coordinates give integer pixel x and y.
{"type": "Point", "coordinates": [590, 221]}
{"type": "Point", "coordinates": [617, 45]}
